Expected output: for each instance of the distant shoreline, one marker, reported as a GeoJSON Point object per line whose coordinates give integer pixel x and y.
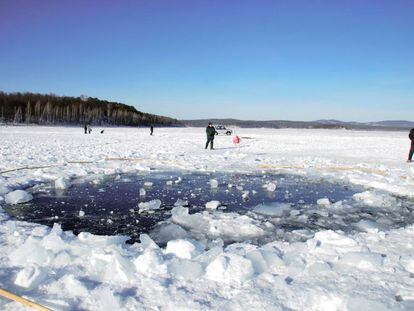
{"type": "Point", "coordinates": [320, 124]}
{"type": "Point", "coordinates": [105, 126]}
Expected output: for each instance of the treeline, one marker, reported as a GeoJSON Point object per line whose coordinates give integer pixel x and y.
{"type": "Point", "coordinates": [52, 109]}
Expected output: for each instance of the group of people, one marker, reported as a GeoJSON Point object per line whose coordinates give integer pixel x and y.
{"type": "Point", "coordinates": [87, 128]}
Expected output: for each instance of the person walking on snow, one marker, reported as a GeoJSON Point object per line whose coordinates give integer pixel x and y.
{"type": "Point", "coordinates": [151, 130]}
{"type": "Point", "coordinates": [86, 128]}
{"type": "Point", "coordinates": [211, 132]}
{"type": "Point", "coordinates": [410, 154]}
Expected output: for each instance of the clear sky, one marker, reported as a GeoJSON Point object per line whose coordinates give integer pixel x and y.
{"type": "Point", "coordinates": [257, 59]}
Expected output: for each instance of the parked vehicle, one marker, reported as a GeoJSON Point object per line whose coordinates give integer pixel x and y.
{"type": "Point", "coordinates": [222, 130]}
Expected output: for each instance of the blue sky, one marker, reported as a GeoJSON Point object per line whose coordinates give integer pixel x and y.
{"type": "Point", "coordinates": [296, 60]}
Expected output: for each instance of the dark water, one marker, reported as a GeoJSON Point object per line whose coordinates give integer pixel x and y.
{"type": "Point", "coordinates": [111, 205]}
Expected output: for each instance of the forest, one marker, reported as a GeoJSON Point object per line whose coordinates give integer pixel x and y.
{"type": "Point", "coordinates": [50, 109]}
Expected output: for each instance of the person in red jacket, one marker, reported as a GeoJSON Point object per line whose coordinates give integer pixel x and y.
{"type": "Point", "coordinates": [410, 154]}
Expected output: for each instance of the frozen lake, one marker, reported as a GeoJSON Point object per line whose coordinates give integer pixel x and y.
{"type": "Point", "coordinates": [336, 234]}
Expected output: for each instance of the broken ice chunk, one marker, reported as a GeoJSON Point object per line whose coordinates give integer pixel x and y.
{"type": "Point", "coordinates": [270, 187]}
{"type": "Point", "coordinates": [274, 209]}
{"type": "Point", "coordinates": [142, 192]}
{"type": "Point", "coordinates": [213, 183]}
{"type": "Point", "coordinates": [17, 197]}
{"type": "Point", "coordinates": [212, 204]}
{"type": "Point", "coordinates": [150, 205]}
{"type": "Point", "coordinates": [62, 183]}
{"type": "Point", "coordinates": [181, 202]}
{"type": "Point", "coordinates": [30, 276]}
{"type": "Point", "coordinates": [323, 202]}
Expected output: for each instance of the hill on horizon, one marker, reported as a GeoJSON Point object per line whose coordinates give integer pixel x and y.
{"type": "Point", "coordinates": [53, 109]}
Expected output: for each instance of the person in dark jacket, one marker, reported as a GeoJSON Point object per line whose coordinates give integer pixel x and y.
{"type": "Point", "coordinates": [86, 128]}
{"type": "Point", "coordinates": [410, 154]}
{"type": "Point", "coordinates": [211, 132]}
{"type": "Point", "coordinates": [151, 130]}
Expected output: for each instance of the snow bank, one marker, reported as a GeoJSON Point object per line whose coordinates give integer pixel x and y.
{"type": "Point", "coordinates": [230, 268]}
{"type": "Point", "coordinates": [166, 277]}
{"type": "Point", "coordinates": [183, 249]}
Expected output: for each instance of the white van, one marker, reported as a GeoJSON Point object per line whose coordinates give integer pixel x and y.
{"type": "Point", "coordinates": [222, 130]}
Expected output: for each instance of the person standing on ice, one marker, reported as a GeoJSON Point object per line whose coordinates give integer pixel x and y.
{"type": "Point", "coordinates": [86, 129]}
{"type": "Point", "coordinates": [211, 133]}
{"type": "Point", "coordinates": [151, 130]}
{"type": "Point", "coordinates": [410, 154]}
{"type": "Point", "coordinates": [89, 129]}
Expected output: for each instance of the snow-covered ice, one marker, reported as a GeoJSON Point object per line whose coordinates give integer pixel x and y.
{"type": "Point", "coordinates": [210, 260]}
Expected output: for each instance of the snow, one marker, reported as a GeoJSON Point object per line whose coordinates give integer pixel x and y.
{"type": "Point", "coordinates": [30, 276]}
{"type": "Point", "coordinates": [18, 197]}
{"type": "Point", "coordinates": [209, 259]}
{"type": "Point", "coordinates": [230, 269]}
{"type": "Point", "coordinates": [183, 248]}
